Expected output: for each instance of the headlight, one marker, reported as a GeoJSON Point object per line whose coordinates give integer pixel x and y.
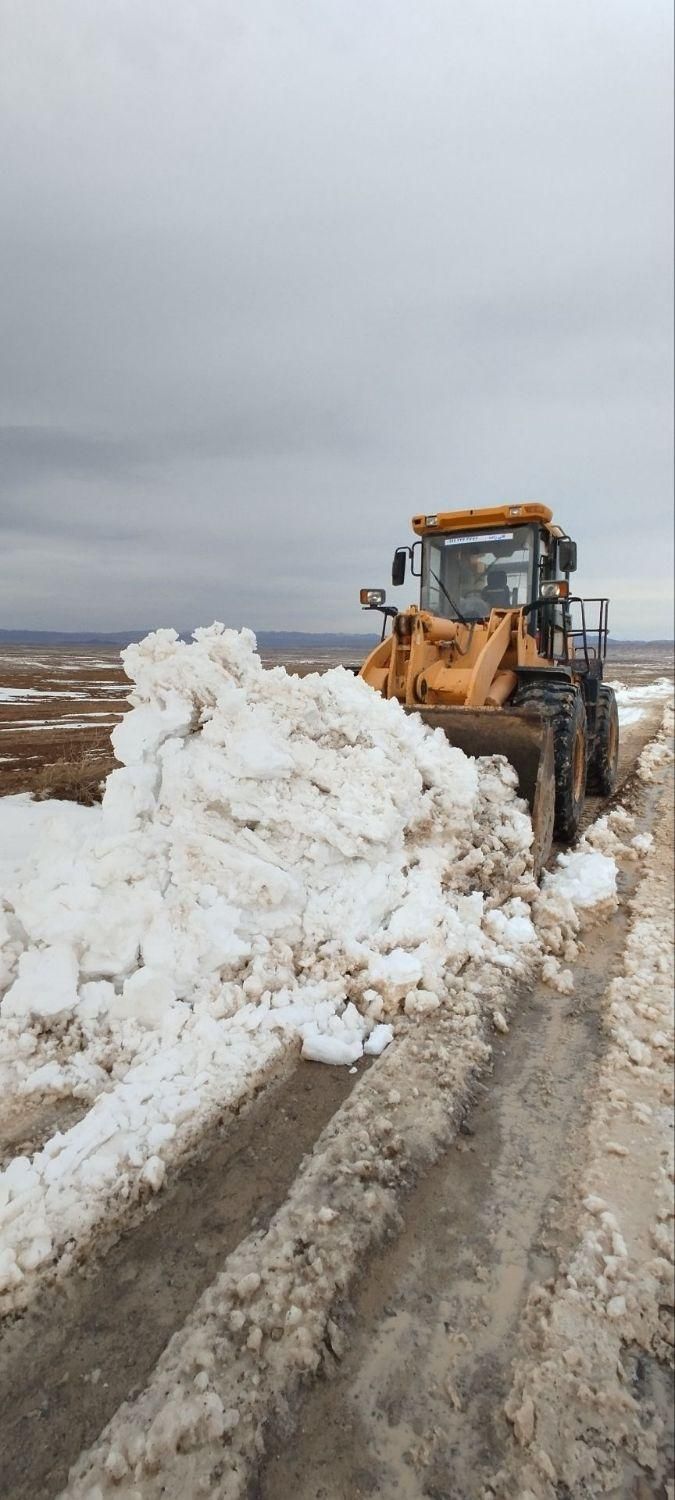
{"type": "Point", "coordinates": [554, 590]}
{"type": "Point", "coordinates": [372, 598]}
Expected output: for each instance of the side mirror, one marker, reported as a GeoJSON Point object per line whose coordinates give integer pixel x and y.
{"type": "Point", "coordinates": [398, 566]}
{"type": "Point", "coordinates": [567, 555]}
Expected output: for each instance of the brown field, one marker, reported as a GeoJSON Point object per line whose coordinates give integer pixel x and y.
{"type": "Point", "coordinates": [58, 706]}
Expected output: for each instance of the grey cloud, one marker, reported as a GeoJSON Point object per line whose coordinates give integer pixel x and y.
{"type": "Point", "coordinates": [274, 278]}
{"type": "Point", "coordinates": [27, 453]}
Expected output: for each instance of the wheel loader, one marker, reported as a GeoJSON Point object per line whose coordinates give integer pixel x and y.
{"type": "Point", "coordinates": [501, 656]}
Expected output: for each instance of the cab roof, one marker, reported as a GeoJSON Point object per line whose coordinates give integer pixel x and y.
{"type": "Point", "coordinates": [483, 518]}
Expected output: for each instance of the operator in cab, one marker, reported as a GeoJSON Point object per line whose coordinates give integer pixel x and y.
{"type": "Point", "coordinates": [475, 581]}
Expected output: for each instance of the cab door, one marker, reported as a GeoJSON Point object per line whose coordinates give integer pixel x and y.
{"type": "Point", "coordinates": [553, 635]}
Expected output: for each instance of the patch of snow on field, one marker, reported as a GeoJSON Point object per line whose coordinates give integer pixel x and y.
{"type": "Point", "coordinates": [18, 694]}
{"type": "Point", "coordinates": [632, 701]}
{"type": "Point", "coordinates": [649, 692]}
{"type": "Point", "coordinates": [629, 716]}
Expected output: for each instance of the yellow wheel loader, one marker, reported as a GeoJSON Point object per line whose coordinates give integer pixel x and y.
{"type": "Point", "coordinates": [501, 656]}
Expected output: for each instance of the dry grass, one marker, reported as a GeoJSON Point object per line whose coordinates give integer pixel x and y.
{"type": "Point", "coordinates": [76, 774]}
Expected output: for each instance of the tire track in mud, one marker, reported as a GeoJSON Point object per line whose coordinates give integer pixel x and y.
{"type": "Point", "coordinates": [632, 741]}
{"type": "Point", "coordinates": [89, 1343]}
{"type": "Point", "coordinates": [28, 1123]}
{"type": "Point", "coordinates": [431, 1334]}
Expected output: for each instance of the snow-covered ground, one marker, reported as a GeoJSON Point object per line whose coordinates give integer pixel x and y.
{"type": "Point", "coordinates": [632, 701]}
{"type": "Point", "coordinates": [281, 863]}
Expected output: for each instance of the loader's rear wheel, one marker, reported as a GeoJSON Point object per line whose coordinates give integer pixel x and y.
{"type": "Point", "coordinates": [604, 757]}
{"type": "Point", "coordinates": [562, 704]}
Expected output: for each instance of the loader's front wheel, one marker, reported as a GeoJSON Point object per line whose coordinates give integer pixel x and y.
{"type": "Point", "coordinates": [563, 705]}
{"type": "Point", "coordinates": [603, 762]}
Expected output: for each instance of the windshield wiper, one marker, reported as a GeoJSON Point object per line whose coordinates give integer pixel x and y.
{"type": "Point", "coordinates": [460, 617]}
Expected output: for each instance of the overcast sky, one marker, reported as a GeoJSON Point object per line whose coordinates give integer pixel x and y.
{"type": "Point", "coordinates": [277, 274]}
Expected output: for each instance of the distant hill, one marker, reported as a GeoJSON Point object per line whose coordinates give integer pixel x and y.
{"type": "Point", "coordinates": [617, 644]}
{"type": "Point", "coordinates": [267, 639]}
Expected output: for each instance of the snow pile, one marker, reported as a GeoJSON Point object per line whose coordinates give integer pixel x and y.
{"type": "Point", "coordinates": [631, 701]}
{"type": "Point", "coordinates": [582, 888]}
{"type": "Point", "coordinates": [272, 842]}
{"type": "Point", "coordinates": [659, 751]}
{"type": "Point", "coordinates": [27, 827]}
{"type": "Point", "coordinates": [279, 862]}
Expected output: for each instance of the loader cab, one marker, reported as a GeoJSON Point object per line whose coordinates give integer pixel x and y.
{"type": "Point", "coordinates": [473, 561]}
{"type": "Point", "coordinates": [466, 574]}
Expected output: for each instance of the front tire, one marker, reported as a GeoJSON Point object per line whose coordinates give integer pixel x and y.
{"type": "Point", "coordinates": [603, 763]}
{"type": "Point", "coordinates": [562, 704]}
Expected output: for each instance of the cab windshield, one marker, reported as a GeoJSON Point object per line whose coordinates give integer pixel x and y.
{"type": "Point", "coordinates": [467, 574]}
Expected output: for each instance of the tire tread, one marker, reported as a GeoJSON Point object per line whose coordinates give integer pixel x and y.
{"type": "Point", "coordinates": [561, 703]}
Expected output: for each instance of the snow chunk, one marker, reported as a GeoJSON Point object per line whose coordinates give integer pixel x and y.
{"type": "Point", "coordinates": [585, 877]}
{"type": "Point", "coordinates": [379, 1038]}
{"type": "Point", "coordinates": [332, 1049]}
{"type": "Point", "coordinates": [46, 988]}
{"type": "Point", "coordinates": [146, 997]}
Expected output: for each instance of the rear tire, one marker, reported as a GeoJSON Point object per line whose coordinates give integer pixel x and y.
{"type": "Point", "coordinates": [562, 704]}
{"type": "Point", "coordinates": [603, 762]}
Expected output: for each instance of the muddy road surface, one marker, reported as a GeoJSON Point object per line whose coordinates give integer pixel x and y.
{"type": "Point", "coordinates": [431, 1333]}
{"type": "Point", "coordinates": [84, 1347]}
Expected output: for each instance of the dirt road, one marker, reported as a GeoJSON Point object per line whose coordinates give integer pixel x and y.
{"type": "Point", "coordinates": [433, 1331]}
{"type": "Point", "coordinates": [69, 1362]}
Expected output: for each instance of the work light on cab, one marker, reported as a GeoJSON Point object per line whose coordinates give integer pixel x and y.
{"type": "Point", "coordinates": [372, 598]}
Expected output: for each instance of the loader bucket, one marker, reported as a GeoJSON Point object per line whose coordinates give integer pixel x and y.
{"type": "Point", "coordinates": [526, 740]}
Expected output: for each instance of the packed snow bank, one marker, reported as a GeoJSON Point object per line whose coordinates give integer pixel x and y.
{"type": "Point", "coordinates": [26, 827]}
{"type": "Point", "coordinates": [649, 692]}
{"type": "Point", "coordinates": [281, 862]}
{"type": "Point", "coordinates": [275, 843]}
{"type": "Point", "coordinates": [632, 701]}
{"type": "Point", "coordinates": [659, 751]}
{"type": "Point", "coordinates": [581, 888]}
